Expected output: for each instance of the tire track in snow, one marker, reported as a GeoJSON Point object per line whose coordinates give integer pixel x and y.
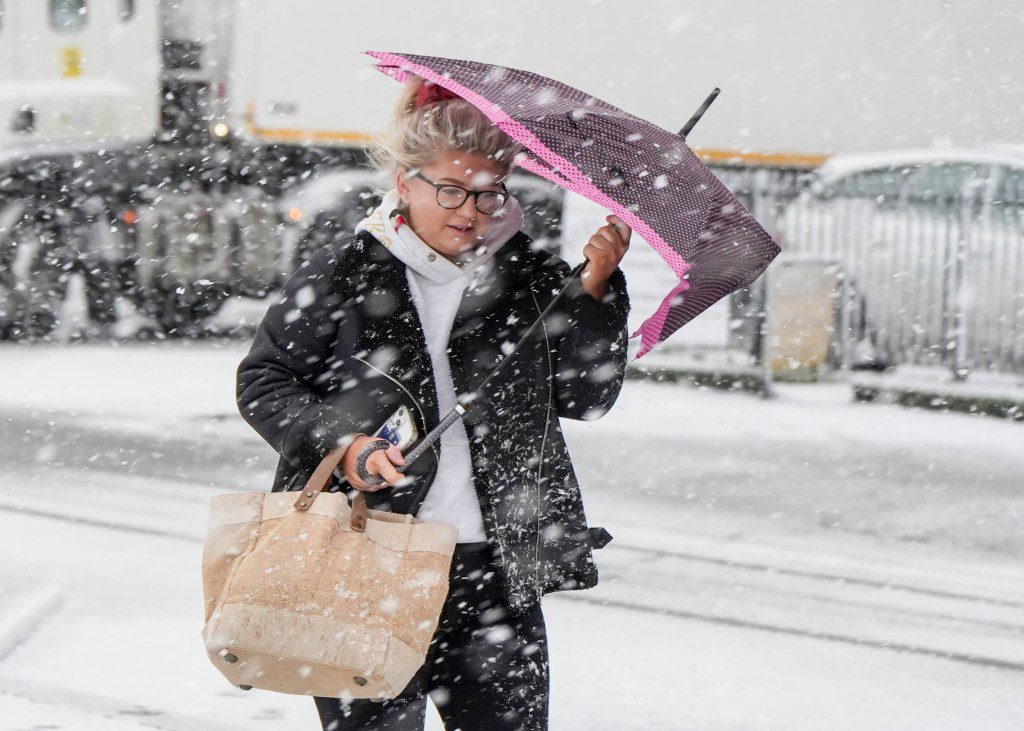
{"type": "Point", "coordinates": [633, 606]}
{"type": "Point", "coordinates": [830, 637]}
{"type": "Point", "coordinates": [104, 707]}
{"type": "Point", "coordinates": [148, 456]}
{"type": "Point", "coordinates": [803, 573]}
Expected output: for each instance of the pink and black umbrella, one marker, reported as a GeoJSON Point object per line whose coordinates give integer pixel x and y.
{"type": "Point", "coordinates": [645, 175]}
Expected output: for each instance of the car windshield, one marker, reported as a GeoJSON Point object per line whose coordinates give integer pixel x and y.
{"type": "Point", "coordinates": [873, 183]}
{"type": "Point", "coordinates": [942, 181]}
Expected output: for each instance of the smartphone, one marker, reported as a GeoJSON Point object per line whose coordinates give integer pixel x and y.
{"type": "Point", "coordinates": [399, 429]}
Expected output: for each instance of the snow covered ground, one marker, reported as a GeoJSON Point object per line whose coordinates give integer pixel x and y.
{"type": "Point", "coordinates": [798, 563]}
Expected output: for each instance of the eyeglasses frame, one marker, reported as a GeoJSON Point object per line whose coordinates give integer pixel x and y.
{"type": "Point", "coordinates": [474, 193]}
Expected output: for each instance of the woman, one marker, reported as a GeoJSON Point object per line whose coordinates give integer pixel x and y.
{"type": "Point", "coordinates": [417, 307]}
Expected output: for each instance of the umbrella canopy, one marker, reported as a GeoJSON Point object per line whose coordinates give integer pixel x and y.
{"type": "Point", "coordinates": [645, 175]}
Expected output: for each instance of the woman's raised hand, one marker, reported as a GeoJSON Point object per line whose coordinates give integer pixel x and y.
{"type": "Point", "coordinates": [604, 250]}
{"type": "Point", "coordinates": [381, 462]}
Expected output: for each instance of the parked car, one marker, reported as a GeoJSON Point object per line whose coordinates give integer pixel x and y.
{"type": "Point", "coordinates": [930, 239]}
{"type": "Point", "coordinates": [334, 199]}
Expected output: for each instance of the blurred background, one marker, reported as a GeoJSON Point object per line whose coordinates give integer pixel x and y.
{"type": "Point", "coordinates": [828, 531]}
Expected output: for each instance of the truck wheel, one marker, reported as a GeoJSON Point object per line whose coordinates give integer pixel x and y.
{"type": "Point", "coordinates": [33, 276]}
{"type": "Point", "coordinates": [180, 309]}
{"type": "Point", "coordinates": [101, 290]}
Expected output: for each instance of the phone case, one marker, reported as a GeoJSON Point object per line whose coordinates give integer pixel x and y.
{"type": "Point", "coordinates": [399, 429]}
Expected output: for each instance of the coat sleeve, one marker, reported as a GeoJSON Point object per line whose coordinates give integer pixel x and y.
{"type": "Point", "coordinates": [590, 350]}
{"type": "Point", "coordinates": [292, 347]}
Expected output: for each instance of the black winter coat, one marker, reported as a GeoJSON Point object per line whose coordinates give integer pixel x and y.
{"type": "Point", "coordinates": [347, 314]}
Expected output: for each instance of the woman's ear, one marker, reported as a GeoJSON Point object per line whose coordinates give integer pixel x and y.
{"type": "Point", "coordinates": [401, 185]}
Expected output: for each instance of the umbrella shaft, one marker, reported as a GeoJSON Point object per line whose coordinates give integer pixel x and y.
{"type": "Point", "coordinates": [456, 413]}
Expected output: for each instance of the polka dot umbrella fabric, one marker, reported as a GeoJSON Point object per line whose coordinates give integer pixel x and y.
{"type": "Point", "coordinates": [644, 174]}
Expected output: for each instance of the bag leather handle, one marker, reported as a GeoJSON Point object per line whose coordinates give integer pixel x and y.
{"type": "Point", "coordinates": [318, 481]}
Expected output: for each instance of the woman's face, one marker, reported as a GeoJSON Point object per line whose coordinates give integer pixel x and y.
{"type": "Point", "coordinates": [436, 224]}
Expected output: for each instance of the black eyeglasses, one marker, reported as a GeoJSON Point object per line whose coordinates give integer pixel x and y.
{"type": "Point", "coordinates": [453, 196]}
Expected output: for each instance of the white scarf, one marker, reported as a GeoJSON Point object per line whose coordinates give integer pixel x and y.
{"type": "Point", "coordinates": [407, 246]}
{"type": "Point", "coordinates": [436, 286]}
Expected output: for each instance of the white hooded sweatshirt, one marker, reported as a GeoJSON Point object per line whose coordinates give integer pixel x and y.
{"type": "Point", "coordinates": [437, 287]}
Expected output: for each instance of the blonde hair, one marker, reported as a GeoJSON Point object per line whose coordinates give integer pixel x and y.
{"type": "Point", "coordinates": [417, 135]}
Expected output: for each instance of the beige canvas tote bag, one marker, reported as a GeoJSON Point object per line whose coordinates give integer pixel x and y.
{"type": "Point", "coordinates": [308, 595]}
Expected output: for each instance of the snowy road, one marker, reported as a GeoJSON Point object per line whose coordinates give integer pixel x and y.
{"type": "Point", "coordinates": [800, 564]}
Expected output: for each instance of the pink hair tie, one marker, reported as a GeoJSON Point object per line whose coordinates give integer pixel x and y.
{"type": "Point", "coordinates": [431, 92]}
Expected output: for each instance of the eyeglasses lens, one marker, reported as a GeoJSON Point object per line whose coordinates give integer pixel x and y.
{"type": "Point", "coordinates": [489, 202]}
{"type": "Point", "coordinates": [451, 197]}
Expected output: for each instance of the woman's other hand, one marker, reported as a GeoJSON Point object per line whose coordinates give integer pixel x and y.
{"type": "Point", "coordinates": [381, 462]}
{"type": "Point", "coordinates": [604, 250]}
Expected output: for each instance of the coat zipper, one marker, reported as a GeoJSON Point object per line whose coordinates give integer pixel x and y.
{"type": "Point", "coordinates": [543, 443]}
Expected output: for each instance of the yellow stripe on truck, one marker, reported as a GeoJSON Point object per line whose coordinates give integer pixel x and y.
{"type": "Point", "coordinates": [308, 135]}
{"type": "Point", "coordinates": [762, 159]}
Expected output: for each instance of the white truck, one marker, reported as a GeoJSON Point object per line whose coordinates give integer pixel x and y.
{"type": "Point", "coordinates": [138, 149]}
{"type": "Point", "coordinates": [169, 150]}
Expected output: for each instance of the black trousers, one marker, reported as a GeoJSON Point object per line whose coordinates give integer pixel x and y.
{"type": "Point", "coordinates": [486, 668]}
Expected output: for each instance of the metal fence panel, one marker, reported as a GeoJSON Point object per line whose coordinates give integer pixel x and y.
{"type": "Point", "coordinates": [939, 270]}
